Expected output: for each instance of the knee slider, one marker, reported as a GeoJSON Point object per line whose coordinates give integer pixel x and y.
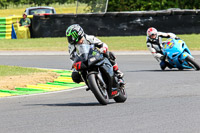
{"type": "Point", "coordinates": [76, 77]}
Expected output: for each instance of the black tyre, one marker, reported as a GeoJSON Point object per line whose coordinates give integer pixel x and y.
{"type": "Point", "coordinates": [99, 92]}
{"type": "Point", "coordinates": [122, 95]}
{"type": "Point", "coordinates": [192, 63]}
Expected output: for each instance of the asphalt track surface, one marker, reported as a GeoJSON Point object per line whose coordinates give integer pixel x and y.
{"type": "Point", "coordinates": [158, 101]}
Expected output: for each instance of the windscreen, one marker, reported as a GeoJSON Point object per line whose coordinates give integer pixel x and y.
{"type": "Point", "coordinates": [40, 11]}
{"type": "Point", "coordinates": [82, 50]}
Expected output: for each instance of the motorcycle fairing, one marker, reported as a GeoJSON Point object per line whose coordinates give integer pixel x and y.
{"type": "Point", "coordinates": [176, 51]}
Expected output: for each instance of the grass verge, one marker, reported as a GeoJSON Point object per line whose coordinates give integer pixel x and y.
{"type": "Point", "coordinates": [125, 43]}
{"type": "Point", "coordinates": [16, 70]}
{"type": "Point", "coordinates": [60, 9]}
{"type": "Point", "coordinates": [14, 76]}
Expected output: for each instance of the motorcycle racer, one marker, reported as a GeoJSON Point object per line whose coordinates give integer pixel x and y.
{"type": "Point", "coordinates": [76, 36]}
{"type": "Point", "coordinates": [154, 44]}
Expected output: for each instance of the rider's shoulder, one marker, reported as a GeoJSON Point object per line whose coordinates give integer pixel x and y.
{"type": "Point", "coordinates": [92, 39]}
{"type": "Point", "coordinates": [89, 36]}
{"type": "Point", "coordinates": [161, 33]}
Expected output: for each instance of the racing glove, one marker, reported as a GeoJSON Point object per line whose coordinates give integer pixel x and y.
{"type": "Point", "coordinates": [103, 50]}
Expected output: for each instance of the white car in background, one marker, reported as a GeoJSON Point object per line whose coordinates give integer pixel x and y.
{"type": "Point", "coordinates": [40, 10]}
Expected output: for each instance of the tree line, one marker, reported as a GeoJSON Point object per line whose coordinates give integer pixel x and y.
{"type": "Point", "coordinates": [114, 5]}
{"type": "Point", "coordinates": [141, 5]}
{"type": "Point", "coordinates": [5, 3]}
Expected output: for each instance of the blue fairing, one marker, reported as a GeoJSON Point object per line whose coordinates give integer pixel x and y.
{"type": "Point", "coordinates": [176, 51]}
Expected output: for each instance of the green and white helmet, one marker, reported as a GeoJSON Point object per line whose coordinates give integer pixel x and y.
{"type": "Point", "coordinates": [74, 33]}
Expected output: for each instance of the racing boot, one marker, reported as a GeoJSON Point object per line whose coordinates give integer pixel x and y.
{"type": "Point", "coordinates": [121, 82]}
{"type": "Point", "coordinates": [163, 65]}
{"type": "Point", "coordinates": [120, 75]}
{"type": "Point", "coordinates": [117, 71]}
{"type": "Point", "coordinates": [168, 65]}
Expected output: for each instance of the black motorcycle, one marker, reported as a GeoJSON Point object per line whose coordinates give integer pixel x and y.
{"type": "Point", "coordinates": [97, 72]}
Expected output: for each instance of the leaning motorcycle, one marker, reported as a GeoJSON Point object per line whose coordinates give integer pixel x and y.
{"type": "Point", "coordinates": [97, 73]}
{"type": "Point", "coordinates": [178, 55]}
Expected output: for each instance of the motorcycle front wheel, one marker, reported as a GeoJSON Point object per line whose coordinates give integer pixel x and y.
{"type": "Point", "coordinates": [97, 89]}
{"type": "Point", "coordinates": [192, 63]}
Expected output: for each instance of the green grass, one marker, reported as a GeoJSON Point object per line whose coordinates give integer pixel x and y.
{"type": "Point", "coordinates": [15, 70]}
{"type": "Point", "coordinates": [38, 44]}
{"type": "Point", "coordinates": [192, 41]}
{"type": "Point", "coordinates": [139, 42]}
{"type": "Point", "coordinates": [126, 43]}
{"type": "Point", "coordinates": [60, 9]}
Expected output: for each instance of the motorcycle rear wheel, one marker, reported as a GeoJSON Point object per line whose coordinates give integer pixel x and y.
{"type": "Point", "coordinates": [99, 92]}
{"type": "Point", "coordinates": [193, 63]}
{"type": "Point", "coordinates": [122, 95]}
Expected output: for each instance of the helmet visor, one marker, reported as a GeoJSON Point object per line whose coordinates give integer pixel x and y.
{"type": "Point", "coordinates": [70, 40]}
{"type": "Point", "coordinates": [153, 36]}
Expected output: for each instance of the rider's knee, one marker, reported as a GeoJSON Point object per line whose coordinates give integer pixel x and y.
{"type": "Point", "coordinates": [76, 77]}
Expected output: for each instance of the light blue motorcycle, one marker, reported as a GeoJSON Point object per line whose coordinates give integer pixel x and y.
{"type": "Point", "coordinates": [178, 55]}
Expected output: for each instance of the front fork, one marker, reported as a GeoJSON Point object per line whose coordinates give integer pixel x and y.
{"type": "Point", "coordinates": [184, 55]}
{"type": "Point", "coordinates": [102, 83]}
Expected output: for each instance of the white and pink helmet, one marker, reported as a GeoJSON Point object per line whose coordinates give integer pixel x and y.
{"type": "Point", "coordinates": [152, 31]}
